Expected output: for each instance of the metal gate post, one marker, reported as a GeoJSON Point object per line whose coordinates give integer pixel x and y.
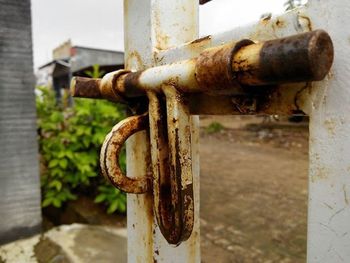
{"type": "Point", "coordinates": [329, 175]}
{"type": "Point", "coordinates": [138, 54]}
{"type": "Point", "coordinates": [151, 26]}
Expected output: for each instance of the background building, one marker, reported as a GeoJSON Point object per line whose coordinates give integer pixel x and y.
{"type": "Point", "coordinates": [69, 60]}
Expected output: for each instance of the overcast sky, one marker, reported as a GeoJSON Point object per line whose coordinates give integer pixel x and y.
{"type": "Point", "coordinates": [99, 23]}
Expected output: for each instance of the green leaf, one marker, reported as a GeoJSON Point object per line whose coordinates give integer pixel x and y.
{"type": "Point", "coordinates": [69, 154]}
{"type": "Point", "coordinates": [122, 207]}
{"type": "Point", "coordinates": [46, 202]}
{"type": "Point", "coordinates": [112, 207]}
{"type": "Point", "coordinates": [53, 163]}
{"type": "Point", "coordinates": [86, 141]}
{"type": "Point", "coordinates": [63, 163]}
{"type": "Point", "coordinates": [100, 198]}
{"type": "Point", "coordinates": [56, 203]}
{"type": "Point", "coordinates": [56, 117]}
{"type": "Point", "coordinates": [56, 184]}
{"type": "Point", "coordinates": [57, 172]}
{"type": "Point", "coordinates": [61, 154]}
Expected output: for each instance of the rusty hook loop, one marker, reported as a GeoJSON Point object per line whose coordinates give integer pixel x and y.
{"type": "Point", "coordinates": [109, 157]}
{"type": "Point", "coordinates": [170, 139]}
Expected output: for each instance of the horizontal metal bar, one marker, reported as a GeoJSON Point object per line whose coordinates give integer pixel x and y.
{"type": "Point", "coordinates": [302, 57]}
{"type": "Point", "coordinates": [225, 69]}
{"type": "Point", "coordinates": [283, 99]}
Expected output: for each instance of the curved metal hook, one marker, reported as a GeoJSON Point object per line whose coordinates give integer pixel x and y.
{"type": "Point", "coordinates": [170, 139]}
{"type": "Point", "coordinates": [109, 157]}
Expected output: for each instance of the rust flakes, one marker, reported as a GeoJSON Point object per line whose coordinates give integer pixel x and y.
{"type": "Point", "coordinates": [134, 61]}
{"type": "Point", "coordinates": [85, 87]}
{"type": "Point", "coordinates": [213, 70]}
{"type": "Point", "coordinates": [162, 39]}
{"type": "Point", "coordinates": [132, 87]}
{"type": "Point", "coordinates": [312, 52]}
{"type": "Point", "coordinates": [331, 125]}
{"type": "Point", "coordinates": [198, 45]}
{"type": "Point", "coordinates": [265, 18]}
{"type": "Point", "coordinates": [157, 60]}
{"type": "Point", "coordinates": [280, 23]}
{"type": "Point", "coordinates": [304, 22]}
{"type": "Point", "coordinates": [319, 172]}
{"type": "Point", "coordinates": [300, 98]}
{"type": "Point", "coordinates": [110, 155]}
{"type": "Point", "coordinates": [200, 40]}
{"type": "Point", "coordinates": [245, 105]}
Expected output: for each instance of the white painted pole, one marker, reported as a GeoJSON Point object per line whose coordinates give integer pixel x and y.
{"type": "Point", "coordinates": [138, 55]}
{"type": "Point", "coordinates": [151, 26]}
{"type": "Point", "coordinates": [329, 184]}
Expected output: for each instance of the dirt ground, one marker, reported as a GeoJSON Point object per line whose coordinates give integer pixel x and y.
{"type": "Point", "coordinates": [253, 191]}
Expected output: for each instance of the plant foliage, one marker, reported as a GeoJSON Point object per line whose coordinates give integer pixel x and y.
{"type": "Point", "coordinates": [69, 141]}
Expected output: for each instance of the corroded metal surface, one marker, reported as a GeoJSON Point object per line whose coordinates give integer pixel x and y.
{"type": "Point", "coordinates": [156, 40]}
{"type": "Point", "coordinates": [228, 69]}
{"type": "Point", "coordinates": [86, 88]}
{"type": "Point", "coordinates": [106, 88]}
{"type": "Point", "coordinates": [214, 68]}
{"type": "Point", "coordinates": [179, 136]}
{"type": "Point", "coordinates": [152, 26]}
{"type": "Point", "coordinates": [303, 57]}
{"type": "Point", "coordinates": [170, 133]}
{"type": "Point", "coordinates": [109, 157]}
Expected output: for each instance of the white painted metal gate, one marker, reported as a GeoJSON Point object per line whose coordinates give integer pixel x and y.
{"type": "Point", "coordinates": [159, 32]}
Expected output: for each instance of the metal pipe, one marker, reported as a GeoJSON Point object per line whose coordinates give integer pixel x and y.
{"type": "Point", "coordinates": [223, 69]}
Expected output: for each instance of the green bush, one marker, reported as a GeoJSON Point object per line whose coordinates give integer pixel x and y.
{"type": "Point", "coordinates": [70, 139]}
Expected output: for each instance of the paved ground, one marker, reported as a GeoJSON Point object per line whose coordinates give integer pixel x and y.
{"type": "Point", "coordinates": [69, 244]}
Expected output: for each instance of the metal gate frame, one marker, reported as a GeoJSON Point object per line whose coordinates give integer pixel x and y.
{"type": "Point", "coordinates": [159, 32]}
{"type": "Point", "coordinates": [154, 33]}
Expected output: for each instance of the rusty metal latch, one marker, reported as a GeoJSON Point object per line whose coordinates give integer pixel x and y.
{"type": "Point", "coordinates": [233, 68]}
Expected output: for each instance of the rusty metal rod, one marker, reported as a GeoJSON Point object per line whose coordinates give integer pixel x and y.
{"type": "Point", "coordinates": [303, 57]}
{"type": "Point", "coordinates": [298, 58]}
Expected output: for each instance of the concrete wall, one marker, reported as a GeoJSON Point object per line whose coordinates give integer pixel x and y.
{"type": "Point", "coordinates": [19, 172]}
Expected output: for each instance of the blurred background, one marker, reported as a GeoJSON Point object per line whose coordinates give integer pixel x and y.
{"type": "Point", "coordinates": [54, 204]}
